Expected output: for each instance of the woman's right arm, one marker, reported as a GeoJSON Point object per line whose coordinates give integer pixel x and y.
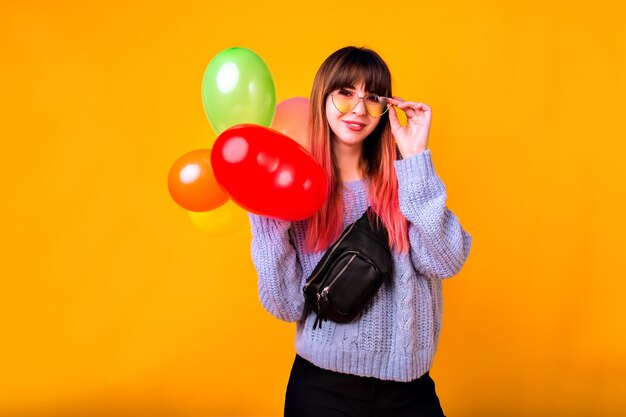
{"type": "Point", "coordinates": [278, 268]}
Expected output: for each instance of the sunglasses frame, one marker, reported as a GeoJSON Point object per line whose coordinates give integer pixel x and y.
{"type": "Point", "coordinates": [356, 102]}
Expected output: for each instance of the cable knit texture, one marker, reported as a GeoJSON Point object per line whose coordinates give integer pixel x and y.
{"type": "Point", "coordinates": [396, 337]}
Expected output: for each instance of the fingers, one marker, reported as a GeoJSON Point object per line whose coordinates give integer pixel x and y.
{"type": "Point", "coordinates": [395, 100]}
{"type": "Point", "coordinates": [409, 105]}
{"type": "Point", "coordinates": [393, 119]}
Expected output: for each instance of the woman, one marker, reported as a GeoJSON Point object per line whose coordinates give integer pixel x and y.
{"type": "Point", "coordinates": [377, 365]}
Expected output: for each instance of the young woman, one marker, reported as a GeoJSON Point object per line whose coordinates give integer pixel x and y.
{"type": "Point", "coordinates": [377, 365]}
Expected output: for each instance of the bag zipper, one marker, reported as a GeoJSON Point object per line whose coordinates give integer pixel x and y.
{"type": "Point", "coordinates": [322, 298]}
{"type": "Point", "coordinates": [325, 290]}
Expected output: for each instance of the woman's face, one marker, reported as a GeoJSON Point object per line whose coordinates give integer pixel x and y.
{"type": "Point", "coordinates": [351, 128]}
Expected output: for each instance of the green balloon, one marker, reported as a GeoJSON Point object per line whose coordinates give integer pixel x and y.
{"type": "Point", "coordinates": [237, 87]}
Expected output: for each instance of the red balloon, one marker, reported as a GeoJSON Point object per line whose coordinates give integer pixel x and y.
{"type": "Point", "coordinates": [267, 173]}
{"type": "Point", "coordinates": [192, 184]}
{"type": "Point", "coordinates": [291, 118]}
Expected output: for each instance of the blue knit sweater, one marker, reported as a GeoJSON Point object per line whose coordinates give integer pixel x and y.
{"type": "Point", "coordinates": [396, 338]}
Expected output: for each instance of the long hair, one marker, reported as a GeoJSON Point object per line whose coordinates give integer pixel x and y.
{"type": "Point", "coordinates": [344, 68]}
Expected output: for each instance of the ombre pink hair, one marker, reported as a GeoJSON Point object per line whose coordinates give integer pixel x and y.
{"type": "Point", "coordinates": [344, 68]}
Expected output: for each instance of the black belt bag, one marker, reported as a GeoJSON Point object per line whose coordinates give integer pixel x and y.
{"type": "Point", "coordinates": [349, 273]}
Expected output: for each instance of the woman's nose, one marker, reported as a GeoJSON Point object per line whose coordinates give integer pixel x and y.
{"type": "Point", "coordinates": [359, 108]}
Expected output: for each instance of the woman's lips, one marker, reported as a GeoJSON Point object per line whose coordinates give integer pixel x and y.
{"type": "Point", "coordinates": [355, 126]}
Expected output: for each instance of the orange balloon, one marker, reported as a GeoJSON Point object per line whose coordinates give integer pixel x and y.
{"type": "Point", "coordinates": [291, 118]}
{"type": "Point", "coordinates": [192, 184]}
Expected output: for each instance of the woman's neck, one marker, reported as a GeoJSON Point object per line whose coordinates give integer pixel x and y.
{"type": "Point", "coordinates": [349, 161]}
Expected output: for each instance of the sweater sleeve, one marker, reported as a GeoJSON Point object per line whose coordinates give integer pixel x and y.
{"type": "Point", "coordinates": [278, 267]}
{"type": "Point", "coordinates": [439, 245]}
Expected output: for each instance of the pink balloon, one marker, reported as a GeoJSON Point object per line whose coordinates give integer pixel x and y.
{"type": "Point", "coordinates": [291, 118]}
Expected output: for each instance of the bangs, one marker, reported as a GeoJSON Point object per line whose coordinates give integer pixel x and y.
{"type": "Point", "coordinates": [363, 66]}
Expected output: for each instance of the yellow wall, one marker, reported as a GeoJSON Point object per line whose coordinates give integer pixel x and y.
{"type": "Point", "coordinates": [113, 304]}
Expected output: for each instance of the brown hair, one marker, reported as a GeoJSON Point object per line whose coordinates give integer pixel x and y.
{"type": "Point", "coordinates": [344, 68]}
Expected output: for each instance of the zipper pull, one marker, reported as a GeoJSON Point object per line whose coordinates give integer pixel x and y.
{"type": "Point", "coordinates": [322, 305]}
{"type": "Point", "coordinates": [318, 321]}
{"type": "Point", "coordinates": [324, 294]}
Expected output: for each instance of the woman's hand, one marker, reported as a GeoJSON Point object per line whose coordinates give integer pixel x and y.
{"type": "Point", "coordinates": [413, 137]}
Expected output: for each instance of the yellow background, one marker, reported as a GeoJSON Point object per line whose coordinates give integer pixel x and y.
{"type": "Point", "coordinates": [113, 304]}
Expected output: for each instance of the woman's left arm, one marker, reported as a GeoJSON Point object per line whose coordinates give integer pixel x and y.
{"type": "Point", "coordinates": [439, 245]}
